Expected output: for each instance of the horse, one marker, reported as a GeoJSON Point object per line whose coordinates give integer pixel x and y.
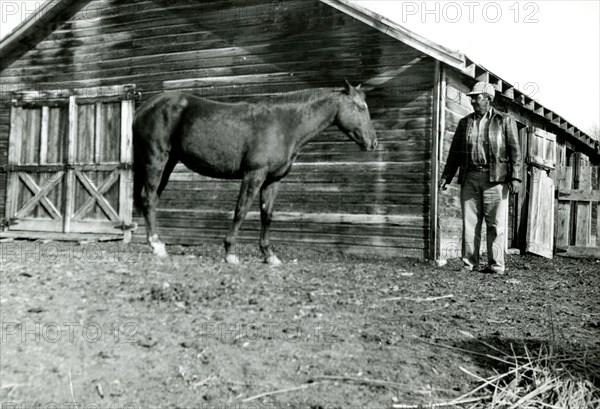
{"type": "Point", "coordinates": [256, 142]}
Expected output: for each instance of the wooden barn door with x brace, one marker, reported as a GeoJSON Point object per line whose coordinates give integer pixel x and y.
{"type": "Point", "coordinates": [69, 163]}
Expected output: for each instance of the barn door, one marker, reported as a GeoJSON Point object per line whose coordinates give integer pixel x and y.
{"type": "Point", "coordinates": [69, 168]}
{"type": "Point", "coordinates": [540, 221]}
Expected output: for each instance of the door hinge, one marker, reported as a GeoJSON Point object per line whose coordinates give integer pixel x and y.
{"type": "Point", "coordinates": [127, 227]}
{"type": "Point", "coordinates": [132, 93]}
{"type": "Point", "coordinates": [4, 223]}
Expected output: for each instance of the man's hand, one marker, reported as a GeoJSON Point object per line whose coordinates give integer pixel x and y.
{"type": "Point", "coordinates": [442, 185]}
{"type": "Point", "coordinates": [514, 186]}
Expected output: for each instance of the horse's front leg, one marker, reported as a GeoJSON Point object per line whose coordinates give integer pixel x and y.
{"type": "Point", "coordinates": [250, 186]}
{"type": "Point", "coordinates": [267, 199]}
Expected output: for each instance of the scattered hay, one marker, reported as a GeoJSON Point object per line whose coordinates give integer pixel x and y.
{"type": "Point", "coordinates": [544, 380]}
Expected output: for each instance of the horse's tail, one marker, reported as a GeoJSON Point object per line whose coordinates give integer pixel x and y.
{"type": "Point", "coordinates": [153, 128]}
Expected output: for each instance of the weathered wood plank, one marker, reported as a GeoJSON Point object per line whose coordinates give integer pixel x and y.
{"type": "Point", "coordinates": [222, 225]}
{"type": "Point", "coordinates": [14, 157]}
{"type": "Point", "coordinates": [291, 217]}
{"type": "Point", "coordinates": [360, 181]}
{"type": "Point", "coordinates": [186, 236]}
{"type": "Point", "coordinates": [30, 150]}
{"type": "Point", "coordinates": [71, 155]}
{"type": "Point", "coordinates": [44, 135]}
{"type": "Point", "coordinates": [86, 128]}
{"type": "Point", "coordinates": [53, 235]}
{"type": "Point", "coordinates": [583, 230]}
{"type": "Point", "coordinates": [126, 156]}
{"type": "Point", "coordinates": [579, 195]}
{"type": "Point", "coordinates": [399, 209]}
{"type": "Point", "coordinates": [307, 188]}
{"type": "Point", "coordinates": [37, 225]}
{"type": "Point", "coordinates": [540, 232]}
{"type": "Point", "coordinates": [563, 213]}
{"type": "Point", "coordinates": [57, 134]}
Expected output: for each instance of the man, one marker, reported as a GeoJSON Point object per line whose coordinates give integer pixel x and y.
{"type": "Point", "coordinates": [486, 149]}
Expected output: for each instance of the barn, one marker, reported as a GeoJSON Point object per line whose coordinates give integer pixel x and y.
{"type": "Point", "coordinates": [72, 74]}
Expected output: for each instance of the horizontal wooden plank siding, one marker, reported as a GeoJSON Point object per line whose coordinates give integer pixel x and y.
{"type": "Point", "coordinates": [248, 49]}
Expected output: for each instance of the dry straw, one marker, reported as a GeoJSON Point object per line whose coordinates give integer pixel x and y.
{"type": "Point", "coordinates": [546, 379]}
{"type": "Point", "coordinates": [535, 380]}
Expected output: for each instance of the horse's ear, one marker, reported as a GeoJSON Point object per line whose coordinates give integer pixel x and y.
{"type": "Point", "coordinates": [347, 86]}
{"type": "Point", "coordinates": [358, 87]}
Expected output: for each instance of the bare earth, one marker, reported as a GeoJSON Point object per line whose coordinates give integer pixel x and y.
{"type": "Point", "coordinates": [109, 326]}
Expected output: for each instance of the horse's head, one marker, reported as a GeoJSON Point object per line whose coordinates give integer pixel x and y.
{"type": "Point", "coordinates": [353, 118]}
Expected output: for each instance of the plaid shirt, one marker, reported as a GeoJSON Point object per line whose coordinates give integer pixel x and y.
{"type": "Point", "coordinates": [504, 148]}
{"type": "Point", "coordinates": [478, 141]}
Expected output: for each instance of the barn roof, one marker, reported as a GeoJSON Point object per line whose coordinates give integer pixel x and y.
{"type": "Point", "coordinates": [38, 25]}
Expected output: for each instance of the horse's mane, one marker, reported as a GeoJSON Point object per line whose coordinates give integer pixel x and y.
{"type": "Point", "coordinates": [309, 96]}
{"type": "Point", "coordinates": [305, 96]}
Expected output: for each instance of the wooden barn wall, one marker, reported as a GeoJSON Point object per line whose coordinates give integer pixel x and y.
{"type": "Point", "coordinates": [4, 131]}
{"type": "Point", "coordinates": [336, 195]}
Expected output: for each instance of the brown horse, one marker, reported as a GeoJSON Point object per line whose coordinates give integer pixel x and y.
{"type": "Point", "coordinates": [254, 142]}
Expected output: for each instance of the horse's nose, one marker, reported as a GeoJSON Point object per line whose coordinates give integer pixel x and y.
{"type": "Point", "coordinates": [374, 145]}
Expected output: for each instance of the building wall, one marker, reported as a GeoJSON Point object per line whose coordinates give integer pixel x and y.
{"type": "Point", "coordinates": [4, 131]}
{"type": "Point", "coordinates": [242, 50]}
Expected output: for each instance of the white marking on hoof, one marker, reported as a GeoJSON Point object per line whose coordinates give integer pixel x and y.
{"type": "Point", "coordinates": [232, 259]}
{"type": "Point", "coordinates": [159, 249]}
{"type": "Point", "coordinates": [273, 261]}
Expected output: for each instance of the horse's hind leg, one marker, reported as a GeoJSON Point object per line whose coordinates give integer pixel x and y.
{"type": "Point", "coordinates": [155, 172]}
{"type": "Point", "coordinates": [250, 186]}
{"type": "Point", "coordinates": [267, 199]}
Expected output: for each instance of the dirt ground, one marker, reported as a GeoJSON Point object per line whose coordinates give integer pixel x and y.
{"type": "Point", "coordinates": [109, 326]}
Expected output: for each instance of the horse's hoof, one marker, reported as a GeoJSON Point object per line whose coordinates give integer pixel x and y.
{"type": "Point", "coordinates": [159, 250]}
{"type": "Point", "coordinates": [273, 261]}
{"type": "Point", "coordinates": [232, 259]}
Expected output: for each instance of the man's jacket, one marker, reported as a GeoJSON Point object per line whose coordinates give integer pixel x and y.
{"type": "Point", "coordinates": [504, 150]}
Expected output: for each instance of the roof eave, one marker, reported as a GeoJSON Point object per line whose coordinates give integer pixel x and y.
{"type": "Point", "coordinates": [452, 58]}
{"type": "Point", "coordinates": [46, 13]}
{"type": "Point", "coordinates": [507, 90]}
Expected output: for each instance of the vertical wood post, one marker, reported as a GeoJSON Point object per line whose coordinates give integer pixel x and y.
{"type": "Point", "coordinates": [17, 116]}
{"type": "Point", "coordinates": [44, 135]}
{"type": "Point", "coordinates": [126, 180]}
{"type": "Point", "coordinates": [563, 212]}
{"type": "Point", "coordinates": [70, 179]}
{"type": "Point", "coordinates": [583, 231]}
{"type": "Point", "coordinates": [437, 145]}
